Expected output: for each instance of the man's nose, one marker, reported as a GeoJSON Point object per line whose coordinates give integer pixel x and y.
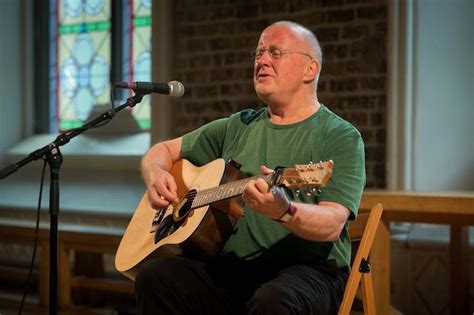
{"type": "Point", "coordinates": [265, 57]}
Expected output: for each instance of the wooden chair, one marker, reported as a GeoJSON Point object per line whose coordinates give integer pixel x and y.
{"type": "Point", "coordinates": [363, 229]}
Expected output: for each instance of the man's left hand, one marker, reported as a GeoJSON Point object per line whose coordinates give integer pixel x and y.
{"type": "Point", "coordinates": [271, 202]}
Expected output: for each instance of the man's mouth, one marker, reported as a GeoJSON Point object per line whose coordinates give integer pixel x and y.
{"type": "Point", "coordinates": [262, 75]}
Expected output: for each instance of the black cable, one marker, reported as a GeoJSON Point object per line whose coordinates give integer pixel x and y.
{"type": "Point", "coordinates": [38, 210]}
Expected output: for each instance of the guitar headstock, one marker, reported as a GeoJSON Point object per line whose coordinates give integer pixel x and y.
{"type": "Point", "coordinates": [304, 176]}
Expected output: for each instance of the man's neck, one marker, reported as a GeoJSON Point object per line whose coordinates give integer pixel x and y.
{"type": "Point", "coordinates": [285, 114]}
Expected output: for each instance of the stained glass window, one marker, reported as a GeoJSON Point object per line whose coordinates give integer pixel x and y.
{"type": "Point", "coordinates": [139, 69]}
{"type": "Point", "coordinates": [82, 57]}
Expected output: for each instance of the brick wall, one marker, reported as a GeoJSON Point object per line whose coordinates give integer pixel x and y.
{"type": "Point", "coordinates": [214, 38]}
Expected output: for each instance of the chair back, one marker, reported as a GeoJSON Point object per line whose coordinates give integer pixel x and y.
{"type": "Point", "coordinates": [364, 229]}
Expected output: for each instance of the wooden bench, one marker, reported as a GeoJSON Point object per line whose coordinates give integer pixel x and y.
{"type": "Point", "coordinates": [453, 208]}
{"type": "Point", "coordinates": [73, 239]}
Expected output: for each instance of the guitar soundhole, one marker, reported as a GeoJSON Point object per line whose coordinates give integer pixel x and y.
{"type": "Point", "coordinates": [166, 227]}
{"type": "Point", "coordinates": [169, 224]}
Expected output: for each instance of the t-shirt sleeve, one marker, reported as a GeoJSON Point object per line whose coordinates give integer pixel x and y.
{"type": "Point", "coordinates": [209, 142]}
{"type": "Point", "coordinates": [346, 185]}
{"type": "Point", "coordinates": [205, 144]}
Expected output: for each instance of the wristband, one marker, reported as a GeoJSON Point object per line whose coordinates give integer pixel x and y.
{"type": "Point", "coordinates": [289, 213]}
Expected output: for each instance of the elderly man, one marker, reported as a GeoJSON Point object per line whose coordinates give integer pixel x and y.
{"type": "Point", "coordinates": [290, 253]}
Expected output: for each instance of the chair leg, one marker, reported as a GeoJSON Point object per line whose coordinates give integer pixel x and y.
{"type": "Point", "coordinates": [368, 297]}
{"type": "Point", "coordinates": [350, 292]}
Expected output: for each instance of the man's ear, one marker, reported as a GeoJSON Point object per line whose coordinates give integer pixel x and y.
{"type": "Point", "coordinates": [312, 70]}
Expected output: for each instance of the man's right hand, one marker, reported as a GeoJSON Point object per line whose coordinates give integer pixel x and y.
{"type": "Point", "coordinates": [161, 189]}
{"type": "Point", "coordinates": [155, 165]}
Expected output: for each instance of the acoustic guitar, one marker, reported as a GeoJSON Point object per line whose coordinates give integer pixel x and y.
{"type": "Point", "coordinates": [205, 216]}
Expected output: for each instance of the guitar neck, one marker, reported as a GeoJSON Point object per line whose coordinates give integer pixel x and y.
{"type": "Point", "coordinates": [301, 176]}
{"type": "Point", "coordinates": [207, 196]}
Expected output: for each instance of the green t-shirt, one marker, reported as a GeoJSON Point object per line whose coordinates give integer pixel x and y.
{"type": "Point", "coordinates": [249, 138]}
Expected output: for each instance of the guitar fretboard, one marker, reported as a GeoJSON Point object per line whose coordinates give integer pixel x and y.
{"type": "Point", "coordinates": [222, 192]}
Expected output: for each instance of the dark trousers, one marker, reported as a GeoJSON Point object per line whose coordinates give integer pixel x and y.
{"type": "Point", "coordinates": [182, 285]}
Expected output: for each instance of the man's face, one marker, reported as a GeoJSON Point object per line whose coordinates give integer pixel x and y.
{"type": "Point", "coordinates": [279, 78]}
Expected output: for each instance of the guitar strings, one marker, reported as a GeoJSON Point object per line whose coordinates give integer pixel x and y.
{"type": "Point", "coordinates": [224, 191]}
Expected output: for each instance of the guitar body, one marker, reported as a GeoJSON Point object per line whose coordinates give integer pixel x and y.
{"type": "Point", "coordinates": [202, 232]}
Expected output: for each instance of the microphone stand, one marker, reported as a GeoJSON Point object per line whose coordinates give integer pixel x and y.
{"type": "Point", "coordinates": [53, 156]}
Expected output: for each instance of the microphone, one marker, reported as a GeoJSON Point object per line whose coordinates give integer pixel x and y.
{"type": "Point", "coordinates": [174, 89]}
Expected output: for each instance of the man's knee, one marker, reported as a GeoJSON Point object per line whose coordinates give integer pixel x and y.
{"type": "Point", "coordinates": [153, 272]}
{"type": "Point", "coordinates": [269, 299]}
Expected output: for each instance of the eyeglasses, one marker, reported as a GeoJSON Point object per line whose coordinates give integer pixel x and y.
{"type": "Point", "coordinates": [274, 53]}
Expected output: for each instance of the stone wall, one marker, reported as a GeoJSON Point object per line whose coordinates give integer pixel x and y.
{"type": "Point", "coordinates": [211, 56]}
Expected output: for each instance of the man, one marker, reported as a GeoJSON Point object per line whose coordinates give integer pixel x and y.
{"type": "Point", "coordinates": [290, 253]}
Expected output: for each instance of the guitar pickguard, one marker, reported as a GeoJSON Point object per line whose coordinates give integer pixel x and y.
{"type": "Point", "coordinates": [175, 218]}
{"type": "Point", "coordinates": [166, 227]}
